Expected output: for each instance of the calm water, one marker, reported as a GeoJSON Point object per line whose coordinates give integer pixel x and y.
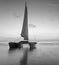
{"type": "Point", "coordinates": [44, 54]}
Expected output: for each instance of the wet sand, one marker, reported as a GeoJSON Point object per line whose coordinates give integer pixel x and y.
{"type": "Point", "coordinates": [42, 55]}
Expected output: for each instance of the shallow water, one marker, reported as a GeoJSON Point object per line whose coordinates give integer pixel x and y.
{"type": "Point", "coordinates": [43, 55]}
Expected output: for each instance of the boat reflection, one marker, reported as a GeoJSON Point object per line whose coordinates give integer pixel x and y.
{"type": "Point", "coordinates": [24, 58]}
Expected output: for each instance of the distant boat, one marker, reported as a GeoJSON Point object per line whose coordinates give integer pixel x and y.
{"type": "Point", "coordinates": [24, 33]}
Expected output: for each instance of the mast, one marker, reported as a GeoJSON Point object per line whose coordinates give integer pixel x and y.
{"type": "Point", "coordinates": [24, 32]}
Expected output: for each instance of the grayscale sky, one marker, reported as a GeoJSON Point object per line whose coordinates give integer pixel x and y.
{"type": "Point", "coordinates": [43, 19]}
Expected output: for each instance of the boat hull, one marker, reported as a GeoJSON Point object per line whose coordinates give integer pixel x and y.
{"type": "Point", "coordinates": [14, 45]}
{"type": "Point", "coordinates": [19, 44]}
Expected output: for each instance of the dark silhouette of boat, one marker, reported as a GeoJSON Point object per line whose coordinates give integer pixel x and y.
{"type": "Point", "coordinates": [24, 33]}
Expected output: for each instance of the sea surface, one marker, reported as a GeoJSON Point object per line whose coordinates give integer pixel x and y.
{"type": "Point", "coordinates": [45, 53]}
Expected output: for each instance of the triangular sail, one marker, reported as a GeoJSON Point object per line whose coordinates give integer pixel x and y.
{"type": "Point", "coordinates": [24, 32]}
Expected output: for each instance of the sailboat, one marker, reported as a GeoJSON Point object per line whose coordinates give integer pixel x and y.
{"type": "Point", "coordinates": [24, 33]}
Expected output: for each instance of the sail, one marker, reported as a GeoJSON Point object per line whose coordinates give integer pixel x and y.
{"type": "Point", "coordinates": [24, 32]}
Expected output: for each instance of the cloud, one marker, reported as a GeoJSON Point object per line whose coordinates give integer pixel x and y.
{"type": "Point", "coordinates": [32, 25]}
{"type": "Point", "coordinates": [16, 14]}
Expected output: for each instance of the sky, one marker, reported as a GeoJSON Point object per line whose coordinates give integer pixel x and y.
{"type": "Point", "coordinates": [43, 19]}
